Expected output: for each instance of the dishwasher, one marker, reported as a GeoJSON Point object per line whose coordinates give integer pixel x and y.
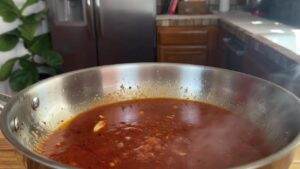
{"type": "Point", "coordinates": [234, 53]}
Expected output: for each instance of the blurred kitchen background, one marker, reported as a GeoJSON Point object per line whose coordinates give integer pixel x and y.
{"type": "Point", "coordinates": [258, 37]}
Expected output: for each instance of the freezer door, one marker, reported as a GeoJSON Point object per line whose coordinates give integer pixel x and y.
{"type": "Point", "coordinates": [125, 30]}
{"type": "Point", "coordinates": [73, 34]}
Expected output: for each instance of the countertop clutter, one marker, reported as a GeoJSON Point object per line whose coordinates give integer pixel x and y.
{"type": "Point", "coordinates": [280, 40]}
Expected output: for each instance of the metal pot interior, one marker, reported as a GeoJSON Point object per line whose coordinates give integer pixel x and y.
{"type": "Point", "coordinates": [40, 109]}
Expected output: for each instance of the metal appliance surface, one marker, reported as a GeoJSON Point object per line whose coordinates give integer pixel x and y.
{"type": "Point", "coordinates": [100, 32]}
{"type": "Point", "coordinates": [72, 32]}
{"type": "Point", "coordinates": [38, 110]}
{"type": "Point", "coordinates": [260, 64]}
{"type": "Point", "coordinates": [125, 30]}
{"type": "Point", "coordinates": [234, 53]}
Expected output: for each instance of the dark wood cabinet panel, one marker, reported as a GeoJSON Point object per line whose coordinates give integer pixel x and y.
{"type": "Point", "coordinates": [182, 36]}
{"type": "Point", "coordinates": [183, 54]}
{"type": "Point", "coordinates": [213, 55]}
{"type": "Point", "coordinates": [195, 45]}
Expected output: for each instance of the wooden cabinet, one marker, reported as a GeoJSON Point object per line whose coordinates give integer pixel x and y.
{"type": "Point", "coordinates": [183, 54]}
{"type": "Point", "coordinates": [182, 36]}
{"type": "Point", "coordinates": [194, 45]}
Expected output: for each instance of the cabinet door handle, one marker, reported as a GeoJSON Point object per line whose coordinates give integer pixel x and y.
{"type": "Point", "coordinates": [197, 31]}
{"type": "Point", "coordinates": [99, 21]}
{"type": "Point", "coordinates": [90, 17]}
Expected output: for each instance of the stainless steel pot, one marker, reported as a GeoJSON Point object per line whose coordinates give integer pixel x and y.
{"type": "Point", "coordinates": [36, 111]}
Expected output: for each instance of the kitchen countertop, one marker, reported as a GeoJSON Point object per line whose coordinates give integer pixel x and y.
{"type": "Point", "coordinates": [281, 39]}
{"type": "Point", "coordinates": [8, 158]}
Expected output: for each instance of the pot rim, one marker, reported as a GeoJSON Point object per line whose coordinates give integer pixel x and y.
{"type": "Point", "coordinates": [53, 164]}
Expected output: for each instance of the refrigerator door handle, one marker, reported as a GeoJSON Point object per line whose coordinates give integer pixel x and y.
{"type": "Point", "coordinates": [90, 17]}
{"type": "Point", "coordinates": [98, 18]}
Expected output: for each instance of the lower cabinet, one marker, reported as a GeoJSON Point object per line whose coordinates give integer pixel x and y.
{"type": "Point", "coordinates": [192, 45]}
{"type": "Point", "coordinates": [183, 54]}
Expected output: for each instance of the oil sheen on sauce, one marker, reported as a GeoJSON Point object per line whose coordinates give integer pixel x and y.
{"type": "Point", "coordinates": [157, 134]}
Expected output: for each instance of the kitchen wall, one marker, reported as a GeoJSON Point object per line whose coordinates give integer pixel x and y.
{"type": "Point", "coordinates": [285, 11]}
{"type": "Point", "coordinates": [212, 4]}
{"type": "Point", "coordinates": [235, 4]}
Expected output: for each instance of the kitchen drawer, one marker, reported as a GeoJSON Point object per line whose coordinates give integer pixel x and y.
{"type": "Point", "coordinates": [183, 54]}
{"type": "Point", "coordinates": [183, 35]}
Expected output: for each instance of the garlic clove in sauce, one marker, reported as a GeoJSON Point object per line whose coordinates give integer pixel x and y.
{"type": "Point", "coordinates": [99, 126]}
{"type": "Point", "coordinates": [101, 116]}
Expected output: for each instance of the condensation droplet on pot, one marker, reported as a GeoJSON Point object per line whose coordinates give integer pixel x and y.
{"type": "Point", "coordinates": [122, 87]}
{"type": "Point", "coordinates": [35, 103]}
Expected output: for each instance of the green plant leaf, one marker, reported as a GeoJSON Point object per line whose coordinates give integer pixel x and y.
{"type": "Point", "coordinates": [28, 30]}
{"type": "Point", "coordinates": [27, 43]}
{"type": "Point", "coordinates": [26, 64]}
{"type": "Point", "coordinates": [52, 58]}
{"type": "Point", "coordinates": [15, 32]}
{"type": "Point", "coordinates": [40, 44]}
{"type": "Point", "coordinates": [8, 42]}
{"type": "Point", "coordinates": [29, 27]}
{"type": "Point", "coordinates": [27, 75]}
{"type": "Point", "coordinates": [6, 69]}
{"type": "Point", "coordinates": [8, 10]}
{"type": "Point", "coordinates": [8, 16]}
{"type": "Point", "coordinates": [22, 78]}
{"type": "Point", "coordinates": [28, 3]}
{"type": "Point", "coordinates": [9, 2]}
{"type": "Point", "coordinates": [37, 17]}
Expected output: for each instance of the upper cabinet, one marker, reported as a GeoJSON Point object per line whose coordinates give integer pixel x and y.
{"type": "Point", "coordinates": [187, 44]}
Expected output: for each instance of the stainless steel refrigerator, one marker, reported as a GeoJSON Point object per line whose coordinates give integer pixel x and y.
{"type": "Point", "coordinates": [99, 32]}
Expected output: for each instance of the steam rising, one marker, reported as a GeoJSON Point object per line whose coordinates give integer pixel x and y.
{"type": "Point", "coordinates": [289, 79]}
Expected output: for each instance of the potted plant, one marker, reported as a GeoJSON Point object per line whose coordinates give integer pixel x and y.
{"type": "Point", "coordinates": [40, 61]}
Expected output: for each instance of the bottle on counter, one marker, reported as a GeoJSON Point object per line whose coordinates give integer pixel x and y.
{"type": "Point", "coordinates": [224, 5]}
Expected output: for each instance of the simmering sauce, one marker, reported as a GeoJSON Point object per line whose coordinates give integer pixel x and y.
{"type": "Point", "coordinates": [157, 134]}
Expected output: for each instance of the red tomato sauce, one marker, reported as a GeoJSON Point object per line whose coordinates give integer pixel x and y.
{"type": "Point", "coordinates": [157, 134]}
